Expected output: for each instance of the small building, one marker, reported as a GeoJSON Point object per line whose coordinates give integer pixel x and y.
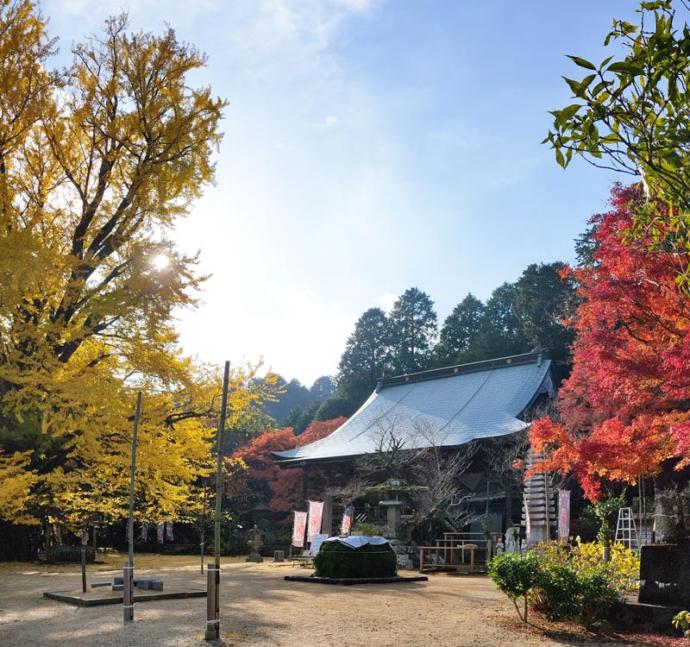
{"type": "Point", "coordinates": [445, 409]}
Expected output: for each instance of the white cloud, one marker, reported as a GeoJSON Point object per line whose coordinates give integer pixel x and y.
{"type": "Point", "coordinates": [386, 301]}
{"type": "Point", "coordinates": [294, 329]}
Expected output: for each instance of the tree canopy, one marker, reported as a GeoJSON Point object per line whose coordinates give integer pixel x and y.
{"type": "Point", "coordinates": [366, 353]}
{"type": "Point", "coordinates": [630, 114]}
{"type": "Point", "coordinates": [413, 330]}
{"type": "Point", "coordinates": [460, 331]}
{"type": "Point", "coordinates": [96, 164]}
{"type": "Point", "coordinates": [622, 414]}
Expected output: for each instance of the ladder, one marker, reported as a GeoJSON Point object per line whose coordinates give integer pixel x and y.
{"type": "Point", "coordinates": [626, 532]}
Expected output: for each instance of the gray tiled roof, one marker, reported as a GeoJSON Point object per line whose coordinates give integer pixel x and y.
{"type": "Point", "coordinates": [444, 407]}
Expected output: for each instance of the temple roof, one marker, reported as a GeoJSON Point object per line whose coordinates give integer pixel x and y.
{"type": "Point", "coordinates": [443, 407]}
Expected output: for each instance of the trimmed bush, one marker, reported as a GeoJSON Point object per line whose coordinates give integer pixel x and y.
{"type": "Point", "coordinates": [558, 588]}
{"type": "Point", "coordinates": [339, 561]}
{"type": "Point", "coordinates": [516, 574]}
{"type": "Point", "coordinates": [557, 595]}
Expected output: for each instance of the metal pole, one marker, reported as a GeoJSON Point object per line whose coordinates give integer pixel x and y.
{"type": "Point", "coordinates": [128, 570]}
{"type": "Point", "coordinates": [213, 581]}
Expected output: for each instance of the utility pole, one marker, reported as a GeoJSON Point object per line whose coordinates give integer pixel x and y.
{"type": "Point", "coordinates": [213, 572]}
{"type": "Point", "coordinates": [128, 570]}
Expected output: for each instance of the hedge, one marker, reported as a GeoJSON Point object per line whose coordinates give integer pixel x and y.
{"type": "Point", "coordinates": [337, 560]}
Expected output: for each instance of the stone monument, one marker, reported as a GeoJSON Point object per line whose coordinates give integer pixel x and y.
{"type": "Point", "coordinates": [254, 542]}
{"type": "Point", "coordinates": [512, 544]}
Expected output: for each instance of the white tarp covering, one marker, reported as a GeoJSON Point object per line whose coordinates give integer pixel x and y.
{"type": "Point", "coordinates": [357, 541]}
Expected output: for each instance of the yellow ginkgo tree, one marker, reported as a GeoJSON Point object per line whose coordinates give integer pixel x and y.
{"type": "Point", "coordinates": [96, 164]}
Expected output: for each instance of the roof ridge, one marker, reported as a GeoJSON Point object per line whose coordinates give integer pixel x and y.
{"type": "Point", "coordinates": [470, 367]}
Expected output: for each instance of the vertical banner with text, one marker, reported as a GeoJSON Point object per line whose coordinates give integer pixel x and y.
{"type": "Point", "coordinates": [298, 529]}
{"type": "Point", "coordinates": [346, 524]}
{"type": "Point", "coordinates": [315, 514]}
{"type": "Point", "coordinates": [563, 514]}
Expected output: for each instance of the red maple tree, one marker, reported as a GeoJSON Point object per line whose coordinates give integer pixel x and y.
{"type": "Point", "coordinates": [624, 412]}
{"type": "Point", "coordinates": [263, 481]}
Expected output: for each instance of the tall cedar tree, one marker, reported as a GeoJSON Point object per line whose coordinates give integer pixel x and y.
{"type": "Point", "coordinates": [623, 412]}
{"type": "Point", "coordinates": [414, 327]}
{"type": "Point", "coordinates": [460, 331]}
{"type": "Point", "coordinates": [545, 300]}
{"type": "Point", "coordinates": [364, 358]}
{"type": "Point", "coordinates": [501, 330]}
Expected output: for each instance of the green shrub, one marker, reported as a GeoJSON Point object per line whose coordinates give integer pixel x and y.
{"type": "Point", "coordinates": [597, 594]}
{"type": "Point", "coordinates": [555, 587]}
{"type": "Point", "coordinates": [337, 560]}
{"type": "Point", "coordinates": [516, 574]}
{"type": "Point", "coordinates": [558, 592]}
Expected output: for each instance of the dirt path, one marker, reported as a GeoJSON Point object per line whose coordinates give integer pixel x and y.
{"type": "Point", "coordinates": [259, 608]}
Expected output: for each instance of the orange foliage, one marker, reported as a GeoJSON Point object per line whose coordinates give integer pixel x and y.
{"type": "Point", "coordinates": [266, 484]}
{"type": "Point", "coordinates": [623, 413]}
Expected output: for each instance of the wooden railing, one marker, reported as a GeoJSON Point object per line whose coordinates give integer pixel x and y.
{"type": "Point", "coordinates": [63, 553]}
{"type": "Point", "coordinates": [458, 551]}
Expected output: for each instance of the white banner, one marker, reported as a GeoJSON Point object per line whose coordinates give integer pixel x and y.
{"type": "Point", "coordinates": [299, 527]}
{"type": "Point", "coordinates": [315, 514]}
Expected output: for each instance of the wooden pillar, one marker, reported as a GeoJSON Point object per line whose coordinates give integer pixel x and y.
{"type": "Point", "coordinates": [128, 592]}
{"type": "Point", "coordinates": [212, 603]}
{"type": "Point", "coordinates": [327, 517]}
{"type": "Point", "coordinates": [83, 569]}
{"type": "Point", "coordinates": [128, 570]}
{"type": "Point", "coordinates": [213, 573]}
{"type": "Point", "coordinates": [304, 484]}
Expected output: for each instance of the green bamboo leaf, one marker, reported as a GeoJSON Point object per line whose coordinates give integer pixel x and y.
{"type": "Point", "coordinates": [582, 62]}
{"type": "Point", "coordinates": [560, 159]}
{"type": "Point", "coordinates": [626, 67]}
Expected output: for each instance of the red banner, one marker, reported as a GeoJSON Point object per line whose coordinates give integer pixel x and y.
{"type": "Point", "coordinates": [346, 524]}
{"type": "Point", "coordinates": [298, 528]}
{"type": "Point", "coordinates": [315, 514]}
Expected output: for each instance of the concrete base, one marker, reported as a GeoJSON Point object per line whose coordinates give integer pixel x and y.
{"type": "Point", "coordinates": [656, 616]}
{"type": "Point", "coordinates": [92, 600]}
{"type": "Point", "coordinates": [349, 581]}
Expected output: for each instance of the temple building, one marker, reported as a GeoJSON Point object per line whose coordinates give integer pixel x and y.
{"type": "Point", "coordinates": [484, 405]}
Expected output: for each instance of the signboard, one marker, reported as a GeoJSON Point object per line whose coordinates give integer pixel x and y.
{"type": "Point", "coordinates": [346, 524]}
{"type": "Point", "coordinates": [315, 514]}
{"type": "Point", "coordinates": [299, 527]}
{"type": "Point", "coordinates": [563, 514]}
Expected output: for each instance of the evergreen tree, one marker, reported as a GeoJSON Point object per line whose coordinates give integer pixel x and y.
{"type": "Point", "coordinates": [366, 352]}
{"type": "Point", "coordinates": [414, 327]}
{"type": "Point", "coordinates": [294, 394]}
{"type": "Point", "coordinates": [501, 331]}
{"type": "Point", "coordinates": [460, 331]}
{"type": "Point", "coordinates": [322, 388]}
{"type": "Point", "coordinates": [586, 246]}
{"type": "Point", "coordinates": [335, 407]}
{"type": "Point", "coordinates": [301, 417]}
{"type": "Point", "coordinates": [544, 301]}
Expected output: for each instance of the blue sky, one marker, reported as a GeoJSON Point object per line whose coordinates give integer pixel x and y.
{"type": "Point", "coordinates": [370, 146]}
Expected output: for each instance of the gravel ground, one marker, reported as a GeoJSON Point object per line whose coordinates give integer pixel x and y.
{"type": "Point", "coordinates": [258, 608]}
